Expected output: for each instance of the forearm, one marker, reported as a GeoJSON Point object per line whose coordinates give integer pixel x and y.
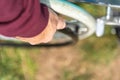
{"type": "Point", "coordinates": [30, 22]}
{"type": "Point", "coordinates": [47, 34]}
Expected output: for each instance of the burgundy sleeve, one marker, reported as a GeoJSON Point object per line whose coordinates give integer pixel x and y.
{"type": "Point", "coordinates": [25, 18]}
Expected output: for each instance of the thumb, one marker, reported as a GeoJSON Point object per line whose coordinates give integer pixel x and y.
{"type": "Point", "coordinates": [61, 23]}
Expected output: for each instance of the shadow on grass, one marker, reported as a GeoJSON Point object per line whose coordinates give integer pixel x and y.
{"type": "Point", "coordinates": [100, 50]}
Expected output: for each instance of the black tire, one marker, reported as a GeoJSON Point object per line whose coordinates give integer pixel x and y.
{"type": "Point", "coordinates": [117, 29]}
{"type": "Point", "coordinates": [67, 31]}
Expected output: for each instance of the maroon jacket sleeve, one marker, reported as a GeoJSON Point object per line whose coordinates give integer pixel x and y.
{"type": "Point", "coordinates": [25, 18]}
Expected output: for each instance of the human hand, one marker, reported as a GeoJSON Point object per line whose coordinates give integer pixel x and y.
{"type": "Point", "coordinates": [47, 34]}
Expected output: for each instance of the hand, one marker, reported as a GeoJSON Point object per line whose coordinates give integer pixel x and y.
{"type": "Point", "coordinates": [47, 34]}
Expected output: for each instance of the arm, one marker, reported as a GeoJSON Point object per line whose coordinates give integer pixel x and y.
{"type": "Point", "coordinates": [28, 20]}
{"type": "Point", "coordinates": [47, 34]}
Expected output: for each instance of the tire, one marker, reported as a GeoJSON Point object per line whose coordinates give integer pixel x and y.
{"type": "Point", "coordinates": [117, 29]}
{"type": "Point", "coordinates": [62, 38]}
{"type": "Point", "coordinates": [84, 19]}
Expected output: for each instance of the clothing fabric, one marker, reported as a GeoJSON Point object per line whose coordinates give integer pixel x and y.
{"type": "Point", "coordinates": [25, 18]}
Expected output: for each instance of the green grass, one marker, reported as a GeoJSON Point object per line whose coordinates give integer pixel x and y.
{"type": "Point", "coordinates": [94, 10]}
{"type": "Point", "coordinates": [99, 50]}
{"type": "Point", "coordinates": [83, 77]}
{"type": "Point", "coordinates": [69, 75]}
{"type": "Point", "coordinates": [10, 62]}
{"type": "Point", "coordinates": [16, 64]}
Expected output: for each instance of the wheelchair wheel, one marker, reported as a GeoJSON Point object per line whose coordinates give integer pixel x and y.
{"type": "Point", "coordinates": [85, 21]}
{"type": "Point", "coordinates": [61, 38]}
{"type": "Point", "coordinates": [117, 29]}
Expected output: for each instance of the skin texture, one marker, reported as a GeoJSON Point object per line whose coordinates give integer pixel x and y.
{"type": "Point", "coordinates": [47, 34]}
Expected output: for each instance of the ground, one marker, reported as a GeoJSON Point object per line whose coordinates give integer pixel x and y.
{"type": "Point", "coordinates": [67, 63]}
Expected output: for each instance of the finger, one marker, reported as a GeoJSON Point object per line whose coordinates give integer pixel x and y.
{"type": "Point", "coordinates": [61, 23]}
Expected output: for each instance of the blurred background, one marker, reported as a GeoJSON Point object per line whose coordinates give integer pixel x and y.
{"type": "Point", "coordinates": [90, 59]}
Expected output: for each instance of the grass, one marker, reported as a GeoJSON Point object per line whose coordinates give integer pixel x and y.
{"type": "Point", "coordinates": [96, 53]}
{"type": "Point", "coordinates": [83, 77]}
{"type": "Point", "coordinates": [10, 68]}
{"type": "Point", "coordinates": [94, 10]}
{"type": "Point", "coordinates": [16, 64]}
{"type": "Point", "coordinates": [69, 75]}
{"type": "Point", "coordinates": [99, 50]}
